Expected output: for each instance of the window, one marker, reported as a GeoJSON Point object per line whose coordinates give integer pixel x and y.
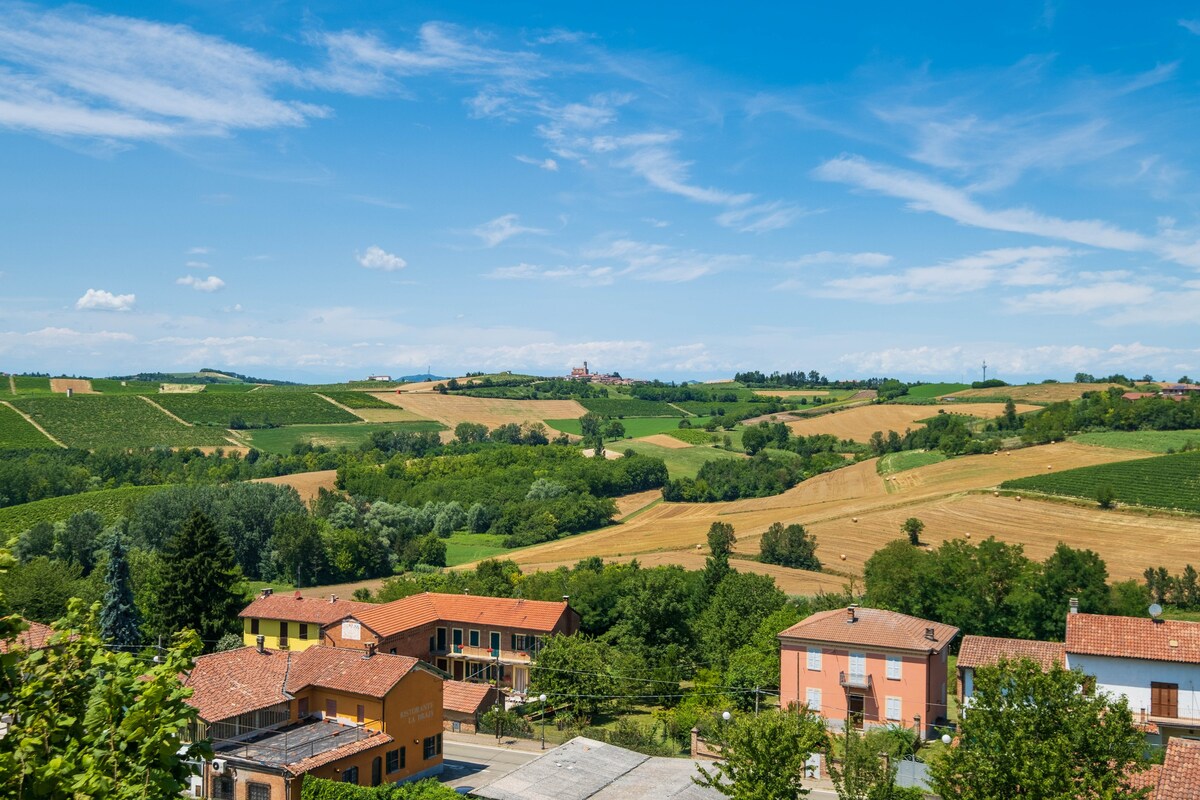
{"type": "Point", "coordinates": [392, 759]}
{"type": "Point", "coordinates": [254, 625]}
{"type": "Point", "coordinates": [1164, 699]}
{"type": "Point", "coordinates": [350, 775]}
{"type": "Point", "coordinates": [814, 659]}
{"type": "Point", "coordinates": [893, 667]}
{"type": "Point", "coordinates": [439, 744]}
{"type": "Point", "coordinates": [258, 791]}
{"type": "Point", "coordinates": [430, 747]}
{"type": "Point", "coordinates": [893, 708]}
{"type": "Point", "coordinates": [361, 713]}
{"type": "Point", "coordinates": [458, 640]}
{"type": "Point", "coordinates": [858, 666]}
{"type": "Point", "coordinates": [303, 630]}
{"type": "Point", "coordinates": [441, 639]}
{"type": "Point", "coordinates": [495, 640]}
{"type": "Point", "coordinates": [330, 708]}
{"type": "Point", "coordinates": [474, 638]}
{"type": "Point", "coordinates": [283, 633]}
{"type": "Point", "coordinates": [222, 788]}
{"type": "Point", "coordinates": [812, 699]}
{"type": "Point", "coordinates": [302, 707]}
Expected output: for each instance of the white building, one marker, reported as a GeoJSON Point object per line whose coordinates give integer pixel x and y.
{"type": "Point", "coordinates": [1153, 663]}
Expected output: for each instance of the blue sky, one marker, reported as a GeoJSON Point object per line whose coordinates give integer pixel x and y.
{"type": "Point", "coordinates": [316, 191]}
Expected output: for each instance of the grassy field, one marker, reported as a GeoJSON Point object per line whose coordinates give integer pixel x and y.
{"type": "Point", "coordinates": [255, 408]}
{"type": "Point", "coordinates": [935, 389]}
{"type": "Point", "coordinates": [909, 459]}
{"type": "Point", "coordinates": [695, 435]}
{"type": "Point", "coordinates": [634, 426]}
{"type": "Point", "coordinates": [29, 386]}
{"type": "Point", "coordinates": [1150, 441]}
{"type": "Point", "coordinates": [281, 440]}
{"type": "Point", "coordinates": [108, 386]}
{"type": "Point", "coordinates": [92, 421]}
{"type": "Point", "coordinates": [463, 548]}
{"type": "Point", "coordinates": [16, 433]}
{"type": "Point", "coordinates": [609, 407]}
{"type": "Point", "coordinates": [109, 503]}
{"type": "Point", "coordinates": [682, 462]}
{"type": "Point", "coordinates": [229, 388]}
{"type": "Point", "coordinates": [1171, 481]}
{"type": "Point", "coordinates": [358, 400]}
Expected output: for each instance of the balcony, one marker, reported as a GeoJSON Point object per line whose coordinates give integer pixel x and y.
{"type": "Point", "coordinates": [856, 681]}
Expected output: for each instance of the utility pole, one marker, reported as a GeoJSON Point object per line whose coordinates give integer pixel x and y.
{"type": "Point", "coordinates": [985, 369]}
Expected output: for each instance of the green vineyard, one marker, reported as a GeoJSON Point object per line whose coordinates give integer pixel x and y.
{"type": "Point", "coordinates": [1171, 481]}
{"type": "Point", "coordinates": [253, 409]}
{"type": "Point", "coordinates": [94, 421]}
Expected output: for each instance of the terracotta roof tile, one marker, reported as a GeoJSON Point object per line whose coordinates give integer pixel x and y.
{"type": "Point", "coordinates": [466, 698]}
{"type": "Point", "coordinates": [1180, 771]}
{"type": "Point", "coordinates": [986, 651]}
{"type": "Point", "coordinates": [420, 609]}
{"type": "Point", "coordinates": [236, 681]}
{"type": "Point", "coordinates": [346, 670]}
{"type": "Point", "coordinates": [1133, 637]}
{"type": "Point", "coordinates": [373, 740]}
{"type": "Point", "coordinates": [34, 637]}
{"type": "Point", "coordinates": [294, 608]}
{"type": "Point", "coordinates": [873, 627]}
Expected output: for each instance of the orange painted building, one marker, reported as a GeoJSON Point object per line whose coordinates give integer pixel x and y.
{"type": "Point", "coordinates": [349, 715]}
{"type": "Point", "coordinates": [291, 621]}
{"type": "Point", "coordinates": [470, 637]}
{"type": "Point", "coordinates": [870, 666]}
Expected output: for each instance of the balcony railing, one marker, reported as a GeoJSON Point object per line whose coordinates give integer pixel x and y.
{"type": "Point", "coordinates": [855, 681]}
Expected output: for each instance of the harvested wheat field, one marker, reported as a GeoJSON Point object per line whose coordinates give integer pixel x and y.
{"type": "Point", "coordinates": [306, 484]}
{"type": "Point", "coordinates": [1039, 392]}
{"type": "Point", "coordinates": [77, 386]}
{"type": "Point", "coordinates": [791, 393]}
{"type": "Point", "coordinates": [452, 409]}
{"type": "Point", "coordinates": [663, 440]}
{"type": "Point", "coordinates": [629, 503]}
{"type": "Point", "coordinates": [828, 505]}
{"type": "Point", "coordinates": [859, 423]}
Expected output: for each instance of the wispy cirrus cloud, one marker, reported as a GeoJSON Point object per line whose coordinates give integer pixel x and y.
{"type": "Point", "coordinates": [502, 229]}
{"type": "Point", "coordinates": [548, 164]}
{"type": "Point", "coordinates": [1190, 25]}
{"type": "Point", "coordinates": [103, 300]}
{"type": "Point", "coordinates": [610, 261]}
{"type": "Point", "coordinates": [1074, 300]}
{"type": "Point", "coordinates": [845, 259]}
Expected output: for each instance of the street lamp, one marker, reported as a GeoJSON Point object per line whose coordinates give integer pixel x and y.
{"type": "Point", "coordinates": [725, 715]}
{"type": "Point", "coordinates": [945, 738]}
{"type": "Point", "coordinates": [542, 698]}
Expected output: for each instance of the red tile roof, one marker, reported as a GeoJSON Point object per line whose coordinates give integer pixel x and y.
{"type": "Point", "coordinates": [236, 681]}
{"type": "Point", "coordinates": [34, 637]}
{"type": "Point", "coordinates": [1133, 637]}
{"type": "Point", "coordinates": [502, 612]}
{"type": "Point", "coordinates": [986, 651]}
{"type": "Point", "coordinates": [346, 670]}
{"type": "Point", "coordinates": [372, 740]}
{"type": "Point", "coordinates": [465, 698]}
{"type": "Point", "coordinates": [873, 627]}
{"type": "Point", "coordinates": [293, 608]}
{"type": "Point", "coordinates": [1177, 778]}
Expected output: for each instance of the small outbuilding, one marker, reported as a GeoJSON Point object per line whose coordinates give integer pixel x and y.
{"type": "Point", "coordinates": [464, 704]}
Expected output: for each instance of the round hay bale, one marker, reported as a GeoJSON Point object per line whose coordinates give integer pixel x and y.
{"type": "Point", "coordinates": [994, 494]}
{"type": "Point", "coordinates": [843, 556]}
{"type": "Point", "coordinates": [854, 519]}
{"type": "Point", "coordinates": [1049, 467]}
{"type": "Point", "coordinates": [968, 535]}
{"type": "Point", "coordinates": [1018, 498]}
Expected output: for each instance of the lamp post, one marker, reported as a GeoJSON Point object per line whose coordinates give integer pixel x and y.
{"type": "Point", "coordinates": [542, 699]}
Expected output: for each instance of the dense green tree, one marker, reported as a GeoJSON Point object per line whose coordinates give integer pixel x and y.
{"type": "Point", "coordinates": [34, 542]}
{"type": "Point", "coordinates": [790, 546]}
{"type": "Point", "coordinates": [765, 755]}
{"type": "Point", "coordinates": [201, 585]}
{"type": "Point", "coordinates": [897, 578]}
{"type": "Point", "coordinates": [478, 518]}
{"type": "Point", "coordinates": [656, 609]}
{"type": "Point", "coordinates": [576, 670]}
{"type": "Point", "coordinates": [1040, 734]}
{"type": "Point", "coordinates": [300, 556]}
{"type": "Point", "coordinates": [75, 541]}
{"type": "Point", "coordinates": [912, 528]}
{"type": "Point", "coordinates": [740, 603]}
{"type": "Point", "coordinates": [860, 773]}
{"type": "Point", "coordinates": [1067, 573]}
{"type": "Point", "coordinates": [120, 620]}
{"type": "Point", "coordinates": [432, 551]}
{"type": "Point", "coordinates": [721, 540]}
{"type": "Point", "coordinates": [470, 432]}
{"type": "Point", "coordinates": [40, 589]}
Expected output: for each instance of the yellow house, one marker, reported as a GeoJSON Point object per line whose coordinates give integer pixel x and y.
{"type": "Point", "coordinates": [290, 621]}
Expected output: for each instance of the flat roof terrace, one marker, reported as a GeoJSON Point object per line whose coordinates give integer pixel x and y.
{"type": "Point", "coordinates": [296, 743]}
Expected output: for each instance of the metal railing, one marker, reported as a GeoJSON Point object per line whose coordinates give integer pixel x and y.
{"type": "Point", "coordinates": [856, 681]}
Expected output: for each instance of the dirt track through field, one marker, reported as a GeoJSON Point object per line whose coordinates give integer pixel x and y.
{"type": "Point", "coordinates": [451, 409]}
{"type": "Point", "coordinates": [306, 484]}
{"type": "Point", "coordinates": [12, 384]}
{"type": "Point", "coordinates": [663, 440]}
{"type": "Point", "coordinates": [859, 423]}
{"type": "Point", "coordinates": [33, 422]}
{"type": "Point", "coordinates": [180, 420]}
{"type": "Point", "coordinates": [940, 494]}
{"type": "Point", "coordinates": [347, 409]}
{"type": "Point", "coordinates": [76, 385]}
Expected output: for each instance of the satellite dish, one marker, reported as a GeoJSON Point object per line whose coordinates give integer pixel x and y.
{"type": "Point", "coordinates": [1155, 610]}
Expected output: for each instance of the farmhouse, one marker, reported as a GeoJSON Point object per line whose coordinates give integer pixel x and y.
{"type": "Point", "coordinates": [987, 651]}
{"type": "Point", "coordinates": [464, 704]}
{"type": "Point", "coordinates": [274, 717]}
{"type": "Point", "coordinates": [292, 622]}
{"type": "Point", "coordinates": [867, 666]}
{"type": "Point", "coordinates": [384, 378]}
{"type": "Point", "coordinates": [472, 638]}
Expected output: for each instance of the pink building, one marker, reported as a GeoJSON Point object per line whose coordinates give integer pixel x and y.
{"type": "Point", "coordinates": [871, 666]}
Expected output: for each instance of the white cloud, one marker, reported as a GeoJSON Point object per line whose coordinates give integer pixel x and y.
{"type": "Point", "coordinates": [198, 251]}
{"type": "Point", "coordinates": [502, 228]}
{"type": "Point", "coordinates": [1082, 299]}
{"type": "Point", "coordinates": [101, 300]}
{"type": "Point", "coordinates": [1191, 25]}
{"type": "Point", "coordinates": [548, 164]}
{"type": "Point", "coordinates": [196, 265]}
{"type": "Point", "coordinates": [210, 284]}
{"type": "Point", "coordinates": [846, 259]}
{"type": "Point", "coordinates": [584, 275]}
{"type": "Point", "coordinates": [377, 258]}
{"type": "Point", "coordinates": [661, 168]}
{"type": "Point", "coordinates": [762, 217]}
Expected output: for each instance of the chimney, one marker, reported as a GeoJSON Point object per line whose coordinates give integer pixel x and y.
{"type": "Point", "coordinates": [267, 591]}
{"type": "Point", "coordinates": [370, 648]}
{"type": "Point", "coordinates": [929, 634]}
{"type": "Point", "coordinates": [566, 598]}
{"type": "Point", "coordinates": [332, 599]}
{"type": "Point", "coordinates": [1074, 605]}
{"type": "Point", "coordinates": [260, 642]}
{"type": "Point", "coordinates": [297, 594]}
{"type": "Point", "coordinates": [852, 613]}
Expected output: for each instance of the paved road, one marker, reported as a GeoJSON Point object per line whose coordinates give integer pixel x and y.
{"type": "Point", "coordinates": [468, 766]}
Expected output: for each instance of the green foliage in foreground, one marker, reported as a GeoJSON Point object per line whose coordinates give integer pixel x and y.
{"type": "Point", "coordinates": [110, 504]}
{"type": "Point", "coordinates": [892, 463]}
{"type": "Point", "coordinates": [1040, 734]}
{"type": "Point", "coordinates": [17, 433]}
{"type": "Point", "coordinates": [429, 789]}
{"type": "Point", "coordinates": [765, 755]}
{"type": "Point", "coordinates": [1171, 481]}
{"type": "Point", "coordinates": [93, 421]}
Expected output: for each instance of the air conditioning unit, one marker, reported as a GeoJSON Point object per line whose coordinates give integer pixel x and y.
{"type": "Point", "coordinates": [220, 766]}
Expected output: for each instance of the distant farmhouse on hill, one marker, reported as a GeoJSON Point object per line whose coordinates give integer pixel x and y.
{"type": "Point", "coordinates": [610, 379]}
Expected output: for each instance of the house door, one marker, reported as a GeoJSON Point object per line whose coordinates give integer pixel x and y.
{"type": "Point", "coordinates": [458, 670]}
{"type": "Point", "coordinates": [520, 679]}
{"type": "Point", "coordinates": [855, 704]}
{"type": "Point", "coordinates": [376, 771]}
{"type": "Point", "coordinates": [1164, 699]}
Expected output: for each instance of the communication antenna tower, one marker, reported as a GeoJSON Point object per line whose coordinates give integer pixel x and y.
{"type": "Point", "coordinates": [985, 369]}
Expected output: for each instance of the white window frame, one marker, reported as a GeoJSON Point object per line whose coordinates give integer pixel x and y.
{"type": "Point", "coordinates": [811, 694]}
{"type": "Point", "coordinates": [899, 708]}
{"type": "Point", "coordinates": [861, 659]}
{"type": "Point", "coordinates": [895, 667]}
{"type": "Point", "coordinates": [814, 659]}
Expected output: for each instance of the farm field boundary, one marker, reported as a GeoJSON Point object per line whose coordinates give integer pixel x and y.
{"type": "Point", "coordinates": [14, 436]}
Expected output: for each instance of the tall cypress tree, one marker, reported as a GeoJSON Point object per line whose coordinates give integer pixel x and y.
{"type": "Point", "coordinates": [120, 622]}
{"type": "Point", "coordinates": [200, 586]}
